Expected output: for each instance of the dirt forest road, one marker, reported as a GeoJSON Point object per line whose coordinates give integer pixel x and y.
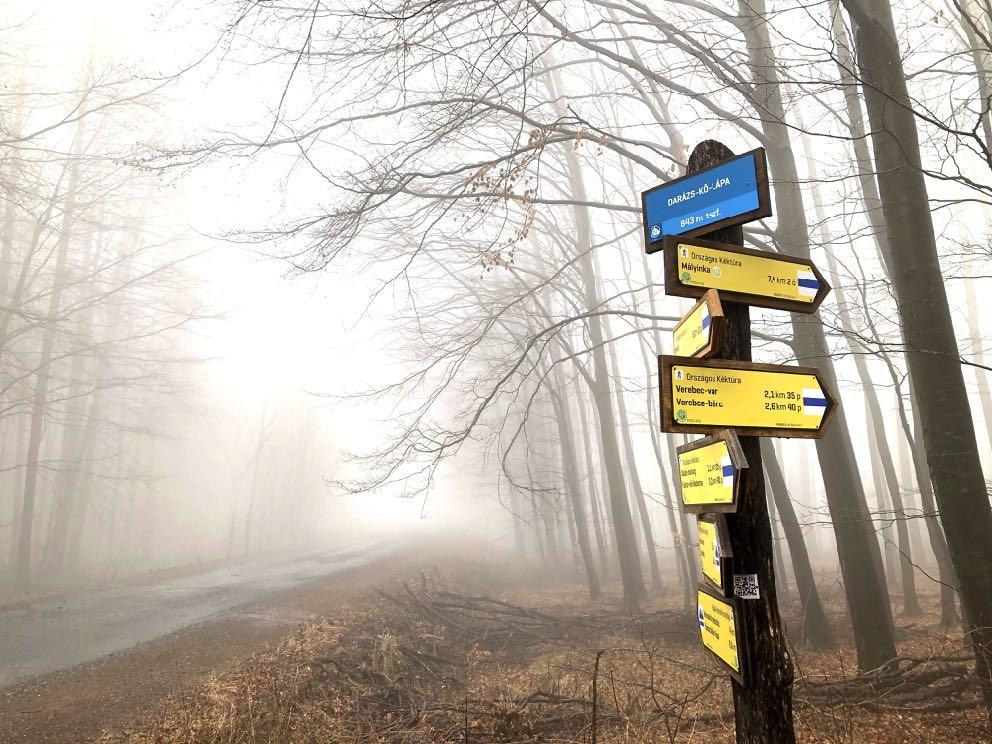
{"type": "Point", "coordinates": [71, 665]}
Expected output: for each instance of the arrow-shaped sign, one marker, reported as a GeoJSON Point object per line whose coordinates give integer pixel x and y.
{"type": "Point", "coordinates": [703, 396]}
{"type": "Point", "coordinates": [760, 278]}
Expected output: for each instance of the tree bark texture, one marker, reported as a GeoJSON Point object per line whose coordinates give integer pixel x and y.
{"type": "Point", "coordinates": [857, 545]}
{"type": "Point", "coordinates": [763, 703]}
{"type": "Point", "coordinates": [932, 353]}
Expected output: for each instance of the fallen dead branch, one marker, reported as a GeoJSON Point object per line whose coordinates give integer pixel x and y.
{"type": "Point", "coordinates": [497, 625]}
{"type": "Point", "coordinates": [429, 663]}
{"type": "Point", "coordinates": [920, 684]}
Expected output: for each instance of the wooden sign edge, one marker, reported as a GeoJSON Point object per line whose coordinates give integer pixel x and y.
{"type": "Point", "coordinates": [719, 521]}
{"type": "Point", "coordinates": [736, 457]}
{"type": "Point", "coordinates": [675, 288]}
{"type": "Point", "coordinates": [667, 361]}
{"type": "Point", "coordinates": [764, 201]}
{"type": "Point", "coordinates": [738, 634]}
{"type": "Point", "coordinates": [717, 322]}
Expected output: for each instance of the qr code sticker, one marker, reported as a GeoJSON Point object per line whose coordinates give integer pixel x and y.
{"type": "Point", "coordinates": [746, 586]}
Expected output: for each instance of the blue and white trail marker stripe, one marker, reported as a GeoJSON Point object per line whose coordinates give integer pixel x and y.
{"type": "Point", "coordinates": [706, 317]}
{"type": "Point", "coordinates": [814, 402]}
{"type": "Point", "coordinates": [808, 285]}
{"type": "Point", "coordinates": [728, 471]}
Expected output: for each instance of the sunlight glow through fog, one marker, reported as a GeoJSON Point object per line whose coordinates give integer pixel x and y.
{"type": "Point", "coordinates": [276, 335]}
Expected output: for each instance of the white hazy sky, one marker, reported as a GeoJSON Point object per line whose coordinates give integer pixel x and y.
{"type": "Point", "coordinates": [277, 334]}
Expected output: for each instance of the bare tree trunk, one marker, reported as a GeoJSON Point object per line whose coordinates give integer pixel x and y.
{"type": "Point", "coordinates": [971, 16]}
{"type": "Point", "coordinates": [669, 499]}
{"type": "Point", "coordinates": [978, 355]}
{"type": "Point", "coordinates": [932, 354]}
{"type": "Point", "coordinates": [17, 493]}
{"type": "Point", "coordinates": [518, 531]}
{"type": "Point", "coordinates": [857, 545]}
{"type": "Point", "coordinates": [682, 557]}
{"type": "Point", "coordinates": [635, 477]}
{"type": "Point", "coordinates": [622, 521]}
{"type": "Point", "coordinates": [538, 533]}
{"type": "Point", "coordinates": [938, 541]}
{"type": "Point", "coordinates": [79, 512]}
{"type": "Point", "coordinates": [815, 626]}
{"type": "Point", "coordinates": [623, 525]}
{"type": "Point", "coordinates": [549, 518]}
{"type": "Point", "coordinates": [67, 479]}
{"type": "Point", "coordinates": [22, 569]}
{"type": "Point", "coordinates": [904, 468]}
{"type": "Point", "coordinates": [543, 466]}
{"type": "Point", "coordinates": [911, 604]}
{"type": "Point", "coordinates": [880, 233]}
{"type": "Point", "coordinates": [763, 704]}
{"type": "Point", "coordinates": [778, 550]}
{"type": "Point", "coordinates": [575, 558]}
{"type": "Point", "coordinates": [885, 509]}
{"type": "Point", "coordinates": [572, 487]}
{"type": "Point", "coordinates": [594, 500]}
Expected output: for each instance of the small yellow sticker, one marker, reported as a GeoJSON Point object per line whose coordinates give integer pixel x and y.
{"type": "Point", "coordinates": [700, 266]}
{"type": "Point", "coordinates": [718, 628]}
{"type": "Point", "coordinates": [709, 551]}
{"type": "Point", "coordinates": [715, 396]}
{"type": "Point", "coordinates": [706, 475]}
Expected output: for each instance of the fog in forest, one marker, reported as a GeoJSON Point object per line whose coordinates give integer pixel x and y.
{"type": "Point", "coordinates": [196, 381]}
{"type": "Point", "coordinates": [289, 288]}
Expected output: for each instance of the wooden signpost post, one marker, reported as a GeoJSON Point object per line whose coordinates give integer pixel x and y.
{"type": "Point", "coordinates": [711, 386]}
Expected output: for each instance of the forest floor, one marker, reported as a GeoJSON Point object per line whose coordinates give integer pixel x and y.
{"type": "Point", "coordinates": [78, 703]}
{"type": "Point", "coordinates": [437, 648]}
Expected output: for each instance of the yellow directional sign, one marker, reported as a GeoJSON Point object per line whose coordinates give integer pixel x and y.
{"type": "Point", "coordinates": [710, 473]}
{"type": "Point", "coordinates": [700, 332]}
{"type": "Point", "coordinates": [718, 628]}
{"type": "Point", "coordinates": [773, 400]}
{"type": "Point", "coordinates": [761, 278]}
{"type": "Point", "coordinates": [715, 551]}
{"type": "Point", "coordinates": [709, 551]}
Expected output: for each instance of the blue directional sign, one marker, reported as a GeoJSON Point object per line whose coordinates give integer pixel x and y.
{"type": "Point", "coordinates": [728, 193]}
